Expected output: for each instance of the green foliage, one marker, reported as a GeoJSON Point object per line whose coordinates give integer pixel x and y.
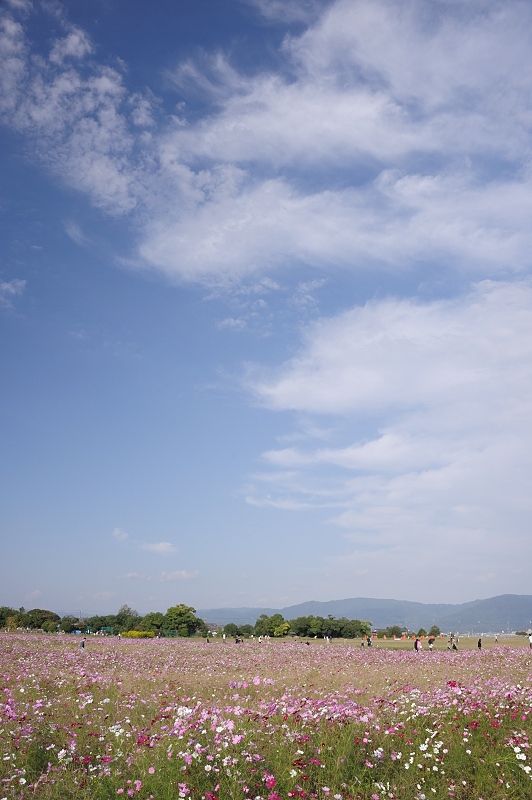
{"type": "Point", "coordinates": [318, 626]}
{"type": "Point", "coordinates": [231, 629]}
{"type": "Point", "coordinates": [38, 616]}
{"type": "Point", "coordinates": [138, 635]}
{"type": "Point", "coordinates": [238, 630]}
{"type": "Point", "coordinates": [5, 613]}
{"type": "Point", "coordinates": [95, 623]}
{"type": "Point", "coordinates": [331, 627]}
{"type": "Point", "coordinates": [183, 619]}
{"type": "Point", "coordinates": [127, 618]}
{"type": "Point", "coordinates": [300, 625]}
{"type": "Point", "coordinates": [180, 619]}
{"type": "Point", "coordinates": [282, 629]}
{"type": "Point", "coordinates": [153, 621]}
{"type": "Point", "coordinates": [422, 632]}
{"type": "Point", "coordinates": [50, 626]}
{"type": "Point", "coordinates": [434, 631]}
{"type": "Point", "coordinates": [355, 628]}
{"type": "Point", "coordinates": [265, 625]}
{"type": "Point", "coordinates": [393, 630]}
{"type": "Point", "coordinates": [69, 624]}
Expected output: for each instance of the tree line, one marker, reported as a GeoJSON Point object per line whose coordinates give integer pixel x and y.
{"type": "Point", "coordinates": [178, 620]}
{"type": "Point", "coordinates": [309, 626]}
{"type": "Point", "coordinates": [181, 620]}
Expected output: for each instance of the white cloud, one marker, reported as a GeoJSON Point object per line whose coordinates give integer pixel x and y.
{"type": "Point", "coordinates": [389, 137]}
{"type": "Point", "coordinates": [75, 118]}
{"type": "Point", "coordinates": [136, 576]}
{"type": "Point", "coordinates": [178, 575]}
{"type": "Point", "coordinates": [74, 232]}
{"type": "Point", "coordinates": [76, 44]}
{"type": "Point", "coordinates": [20, 5]}
{"type": "Point", "coordinates": [9, 290]}
{"type": "Point", "coordinates": [234, 324]}
{"type": "Point", "coordinates": [442, 391]}
{"type": "Point", "coordinates": [120, 535]}
{"type": "Point", "coordinates": [288, 10]}
{"type": "Point", "coordinates": [13, 56]}
{"type": "Point", "coordinates": [158, 547]}
{"type": "Point", "coordinates": [406, 353]}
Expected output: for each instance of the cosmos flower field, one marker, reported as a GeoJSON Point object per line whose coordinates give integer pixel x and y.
{"type": "Point", "coordinates": [161, 719]}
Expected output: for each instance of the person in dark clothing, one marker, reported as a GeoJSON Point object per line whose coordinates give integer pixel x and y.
{"type": "Point", "coordinates": [479, 644]}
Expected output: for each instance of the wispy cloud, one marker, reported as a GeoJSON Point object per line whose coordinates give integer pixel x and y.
{"type": "Point", "coordinates": [424, 112]}
{"type": "Point", "coordinates": [178, 575]}
{"type": "Point", "coordinates": [120, 535]}
{"type": "Point", "coordinates": [76, 44]}
{"type": "Point", "coordinates": [446, 386]}
{"type": "Point", "coordinates": [136, 576]}
{"type": "Point", "coordinates": [9, 290]}
{"type": "Point", "coordinates": [20, 5]}
{"type": "Point", "coordinates": [289, 10]}
{"type": "Point", "coordinates": [74, 232]}
{"type": "Point", "coordinates": [158, 547]}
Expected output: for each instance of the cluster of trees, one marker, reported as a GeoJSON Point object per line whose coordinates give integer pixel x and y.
{"type": "Point", "coordinates": [395, 630]}
{"type": "Point", "coordinates": [178, 620]}
{"type": "Point", "coordinates": [181, 620]}
{"type": "Point", "coordinates": [36, 619]}
{"type": "Point", "coordinates": [311, 626]}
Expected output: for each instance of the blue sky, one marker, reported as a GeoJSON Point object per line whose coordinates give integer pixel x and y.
{"type": "Point", "coordinates": [265, 301]}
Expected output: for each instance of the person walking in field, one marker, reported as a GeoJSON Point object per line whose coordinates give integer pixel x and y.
{"type": "Point", "coordinates": [431, 643]}
{"type": "Point", "coordinates": [417, 645]}
{"type": "Point", "coordinates": [530, 640]}
{"type": "Point", "coordinates": [479, 644]}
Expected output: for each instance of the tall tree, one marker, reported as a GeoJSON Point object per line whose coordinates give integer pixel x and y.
{"type": "Point", "coordinates": [183, 619]}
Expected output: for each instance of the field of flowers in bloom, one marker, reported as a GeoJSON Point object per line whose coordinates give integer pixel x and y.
{"type": "Point", "coordinates": [163, 719]}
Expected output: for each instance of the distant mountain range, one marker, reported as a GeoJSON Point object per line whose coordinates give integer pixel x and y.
{"type": "Point", "coordinates": [507, 612]}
